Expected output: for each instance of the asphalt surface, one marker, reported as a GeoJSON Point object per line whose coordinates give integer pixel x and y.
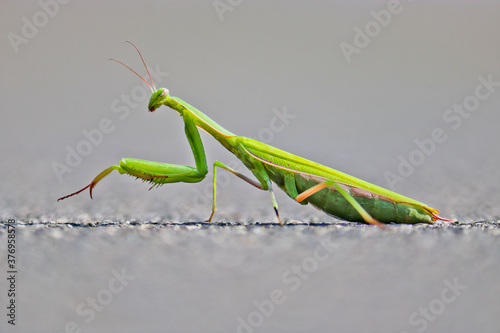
{"type": "Point", "coordinates": [161, 276]}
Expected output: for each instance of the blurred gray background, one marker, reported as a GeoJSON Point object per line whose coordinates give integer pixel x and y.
{"type": "Point", "coordinates": [243, 63]}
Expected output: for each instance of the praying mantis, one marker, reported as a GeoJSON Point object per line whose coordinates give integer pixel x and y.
{"type": "Point", "coordinates": [305, 181]}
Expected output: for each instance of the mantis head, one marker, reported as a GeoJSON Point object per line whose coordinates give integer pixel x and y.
{"type": "Point", "coordinates": [158, 98]}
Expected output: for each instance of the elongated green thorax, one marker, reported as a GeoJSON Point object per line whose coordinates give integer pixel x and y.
{"type": "Point", "coordinates": [187, 111]}
{"type": "Point", "coordinates": [199, 118]}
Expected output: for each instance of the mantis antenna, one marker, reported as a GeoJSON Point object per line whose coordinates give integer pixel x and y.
{"type": "Point", "coordinates": [118, 61]}
{"type": "Point", "coordinates": [153, 89]}
{"type": "Point", "coordinates": [140, 55]}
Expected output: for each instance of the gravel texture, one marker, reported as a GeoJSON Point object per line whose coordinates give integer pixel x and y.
{"type": "Point", "coordinates": [262, 277]}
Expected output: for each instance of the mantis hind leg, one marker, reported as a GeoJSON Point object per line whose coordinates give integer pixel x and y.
{"type": "Point", "coordinates": [364, 214]}
{"type": "Point", "coordinates": [153, 172]}
{"type": "Point", "coordinates": [245, 178]}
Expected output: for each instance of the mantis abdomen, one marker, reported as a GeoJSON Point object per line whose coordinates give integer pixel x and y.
{"type": "Point", "coordinates": [332, 202]}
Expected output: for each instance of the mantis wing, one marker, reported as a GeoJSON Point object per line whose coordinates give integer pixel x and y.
{"type": "Point", "coordinates": [301, 179]}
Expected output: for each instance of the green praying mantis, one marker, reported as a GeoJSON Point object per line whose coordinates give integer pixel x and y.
{"type": "Point", "coordinates": [305, 181]}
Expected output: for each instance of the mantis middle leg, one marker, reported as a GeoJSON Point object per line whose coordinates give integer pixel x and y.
{"type": "Point", "coordinates": [248, 180]}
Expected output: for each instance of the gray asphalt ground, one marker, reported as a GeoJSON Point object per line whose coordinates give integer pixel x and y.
{"type": "Point", "coordinates": [133, 260]}
{"type": "Point", "coordinates": [256, 277]}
